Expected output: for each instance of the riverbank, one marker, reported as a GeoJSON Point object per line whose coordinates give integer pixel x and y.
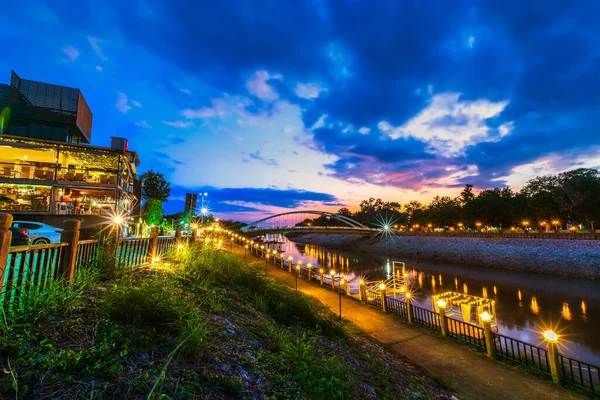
{"type": "Point", "coordinates": [576, 258]}
{"type": "Point", "coordinates": [474, 375]}
{"type": "Point", "coordinates": [201, 324]}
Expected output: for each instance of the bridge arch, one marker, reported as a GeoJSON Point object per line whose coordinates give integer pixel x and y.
{"type": "Point", "coordinates": [342, 218]}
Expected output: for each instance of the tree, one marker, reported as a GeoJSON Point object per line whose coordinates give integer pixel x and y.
{"type": "Point", "coordinates": [152, 212]}
{"type": "Point", "coordinates": [155, 186]}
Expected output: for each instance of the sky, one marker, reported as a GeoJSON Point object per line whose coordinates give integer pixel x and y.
{"type": "Point", "coordinates": [275, 105]}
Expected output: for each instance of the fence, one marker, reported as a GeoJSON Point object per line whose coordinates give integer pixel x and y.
{"type": "Point", "coordinates": [574, 372]}
{"type": "Point", "coordinates": [28, 268]}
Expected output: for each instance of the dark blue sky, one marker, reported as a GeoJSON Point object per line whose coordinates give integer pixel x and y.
{"type": "Point", "coordinates": [313, 104]}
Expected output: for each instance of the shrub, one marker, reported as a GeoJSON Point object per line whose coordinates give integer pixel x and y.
{"type": "Point", "coordinates": [150, 303]}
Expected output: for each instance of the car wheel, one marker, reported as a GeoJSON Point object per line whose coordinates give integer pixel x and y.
{"type": "Point", "coordinates": [41, 241]}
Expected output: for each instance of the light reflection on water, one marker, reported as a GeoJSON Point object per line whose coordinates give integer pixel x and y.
{"type": "Point", "coordinates": [525, 303]}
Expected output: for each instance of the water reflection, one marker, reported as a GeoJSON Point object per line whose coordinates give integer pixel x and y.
{"type": "Point", "coordinates": [549, 298]}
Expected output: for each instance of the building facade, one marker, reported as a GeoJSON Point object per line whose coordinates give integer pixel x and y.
{"type": "Point", "coordinates": [191, 199]}
{"type": "Point", "coordinates": [48, 170]}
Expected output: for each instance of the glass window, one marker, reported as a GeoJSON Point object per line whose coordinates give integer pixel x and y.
{"type": "Point", "coordinates": [24, 197]}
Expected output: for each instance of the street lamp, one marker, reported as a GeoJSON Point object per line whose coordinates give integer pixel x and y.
{"type": "Point", "coordinates": [297, 273]}
{"type": "Point", "coordinates": [556, 224]}
{"type": "Point", "coordinates": [478, 225]}
{"type": "Point", "coordinates": [525, 224]}
{"type": "Point", "coordinates": [117, 222]}
{"type": "Point", "coordinates": [245, 253]}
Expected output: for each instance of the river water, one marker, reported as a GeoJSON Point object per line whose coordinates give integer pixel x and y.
{"type": "Point", "coordinates": [525, 303]}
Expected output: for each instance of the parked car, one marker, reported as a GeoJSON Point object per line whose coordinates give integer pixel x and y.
{"type": "Point", "coordinates": [20, 236]}
{"type": "Point", "coordinates": [39, 233]}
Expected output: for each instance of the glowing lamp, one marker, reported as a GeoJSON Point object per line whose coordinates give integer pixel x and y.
{"type": "Point", "coordinates": [441, 303]}
{"type": "Point", "coordinates": [485, 316]}
{"type": "Point", "coordinates": [180, 246]}
{"type": "Point", "coordinates": [321, 271]}
{"type": "Point", "coordinates": [117, 220]}
{"type": "Point", "coordinates": [550, 336]}
{"type": "Point", "coordinates": [382, 286]}
{"type": "Point", "coordinates": [309, 265]}
{"type": "Point", "coordinates": [332, 273]}
{"type": "Point", "coordinates": [408, 295]}
{"type": "Point", "coordinates": [290, 258]}
{"type": "Point", "coordinates": [362, 282]}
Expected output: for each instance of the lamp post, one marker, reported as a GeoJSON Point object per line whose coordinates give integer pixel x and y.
{"type": "Point", "coordinates": [117, 221]}
{"type": "Point", "coordinates": [245, 253]}
{"type": "Point", "coordinates": [309, 266]}
{"type": "Point", "coordinates": [266, 262]}
{"type": "Point", "coordinates": [442, 307]}
{"type": "Point", "coordinates": [332, 273]}
{"type": "Point", "coordinates": [321, 273]}
{"type": "Point", "coordinates": [486, 318]}
{"type": "Point", "coordinates": [290, 259]}
{"type": "Point", "coordinates": [478, 225]}
{"type": "Point", "coordinates": [297, 273]}
{"type": "Point", "coordinates": [382, 288]}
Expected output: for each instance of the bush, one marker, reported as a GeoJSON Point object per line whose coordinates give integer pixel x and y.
{"type": "Point", "coordinates": [151, 303]}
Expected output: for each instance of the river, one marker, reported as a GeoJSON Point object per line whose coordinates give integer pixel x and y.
{"type": "Point", "coordinates": [525, 303]}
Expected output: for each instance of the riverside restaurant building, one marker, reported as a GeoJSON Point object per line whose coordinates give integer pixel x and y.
{"type": "Point", "coordinates": [48, 170]}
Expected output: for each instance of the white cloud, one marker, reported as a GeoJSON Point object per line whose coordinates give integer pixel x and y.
{"type": "Point", "coordinates": [309, 90]}
{"type": "Point", "coordinates": [98, 68]}
{"type": "Point", "coordinates": [71, 52]}
{"type": "Point", "coordinates": [216, 110]}
{"type": "Point", "coordinates": [471, 41]}
{"type": "Point", "coordinates": [95, 43]}
{"type": "Point", "coordinates": [430, 89]}
{"type": "Point", "coordinates": [136, 103]}
{"type": "Point", "coordinates": [122, 103]}
{"type": "Point", "coordinates": [320, 122]}
{"type": "Point", "coordinates": [143, 124]}
{"type": "Point", "coordinates": [259, 87]}
{"type": "Point", "coordinates": [551, 164]}
{"type": "Point", "coordinates": [449, 125]}
{"type": "Point", "coordinates": [179, 124]}
{"type": "Point", "coordinates": [364, 130]}
{"type": "Point", "coordinates": [186, 91]}
{"type": "Point", "coordinates": [347, 129]}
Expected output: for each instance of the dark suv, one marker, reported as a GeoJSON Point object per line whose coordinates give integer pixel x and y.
{"type": "Point", "coordinates": [20, 237]}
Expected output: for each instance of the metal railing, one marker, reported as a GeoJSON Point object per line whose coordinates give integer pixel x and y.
{"type": "Point", "coordinates": [30, 267]}
{"type": "Point", "coordinates": [426, 317]}
{"type": "Point", "coordinates": [466, 332]}
{"type": "Point", "coordinates": [521, 352]}
{"type": "Point", "coordinates": [133, 252]}
{"type": "Point", "coordinates": [579, 374]}
{"type": "Point", "coordinates": [374, 299]}
{"type": "Point", "coordinates": [165, 244]}
{"type": "Point", "coordinates": [87, 251]}
{"type": "Point", "coordinates": [396, 306]}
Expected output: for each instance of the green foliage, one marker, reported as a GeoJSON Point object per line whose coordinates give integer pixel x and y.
{"type": "Point", "coordinates": [152, 212]}
{"type": "Point", "coordinates": [154, 186]}
{"type": "Point", "coordinates": [148, 303]}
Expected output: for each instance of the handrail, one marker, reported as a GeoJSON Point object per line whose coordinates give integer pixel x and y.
{"type": "Point", "coordinates": [17, 249]}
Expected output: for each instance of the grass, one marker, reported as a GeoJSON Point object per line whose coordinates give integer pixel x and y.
{"type": "Point", "coordinates": [202, 325]}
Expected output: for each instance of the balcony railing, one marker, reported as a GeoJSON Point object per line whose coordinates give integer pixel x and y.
{"type": "Point", "coordinates": [61, 174]}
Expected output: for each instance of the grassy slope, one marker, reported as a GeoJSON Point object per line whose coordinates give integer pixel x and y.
{"type": "Point", "coordinates": [202, 326]}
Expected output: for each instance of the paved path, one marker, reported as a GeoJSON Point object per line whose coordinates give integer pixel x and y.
{"type": "Point", "coordinates": [475, 376]}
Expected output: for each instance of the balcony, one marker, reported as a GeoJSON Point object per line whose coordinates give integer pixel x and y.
{"type": "Point", "coordinates": [50, 173]}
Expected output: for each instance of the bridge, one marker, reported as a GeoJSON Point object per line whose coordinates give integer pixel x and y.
{"type": "Point", "coordinates": [287, 222]}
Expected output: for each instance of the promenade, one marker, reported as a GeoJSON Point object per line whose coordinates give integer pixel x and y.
{"type": "Point", "coordinates": [474, 375]}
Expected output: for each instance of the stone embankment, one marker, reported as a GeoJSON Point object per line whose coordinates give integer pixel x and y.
{"type": "Point", "coordinates": [577, 258]}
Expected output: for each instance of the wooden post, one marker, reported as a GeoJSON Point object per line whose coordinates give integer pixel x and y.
{"type": "Point", "coordinates": [489, 340]}
{"type": "Point", "coordinates": [70, 235]}
{"type": "Point", "coordinates": [363, 291]}
{"type": "Point", "coordinates": [153, 244]}
{"type": "Point", "coordinates": [409, 310]}
{"type": "Point", "coordinates": [194, 234]}
{"type": "Point", "coordinates": [178, 235]}
{"type": "Point", "coordinates": [443, 323]}
{"type": "Point", "coordinates": [5, 238]}
{"type": "Point", "coordinates": [321, 274]}
{"type": "Point", "coordinates": [553, 361]}
{"type": "Point", "coordinates": [309, 266]}
{"type": "Point", "coordinates": [383, 299]}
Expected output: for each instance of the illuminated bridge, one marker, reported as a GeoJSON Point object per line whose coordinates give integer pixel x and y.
{"type": "Point", "coordinates": [287, 222]}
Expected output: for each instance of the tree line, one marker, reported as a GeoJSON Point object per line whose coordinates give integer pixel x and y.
{"type": "Point", "coordinates": [563, 200]}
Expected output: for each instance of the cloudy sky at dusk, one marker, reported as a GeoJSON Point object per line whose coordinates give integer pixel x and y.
{"type": "Point", "coordinates": [317, 104]}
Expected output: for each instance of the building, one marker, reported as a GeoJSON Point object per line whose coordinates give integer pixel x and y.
{"type": "Point", "coordinates": [48, 169]}
{"type": "Point", "coordinates": [191, 199]}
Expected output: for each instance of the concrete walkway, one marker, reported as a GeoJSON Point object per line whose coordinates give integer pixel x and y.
{"type": "Point", "coordinates": [474, 375]}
